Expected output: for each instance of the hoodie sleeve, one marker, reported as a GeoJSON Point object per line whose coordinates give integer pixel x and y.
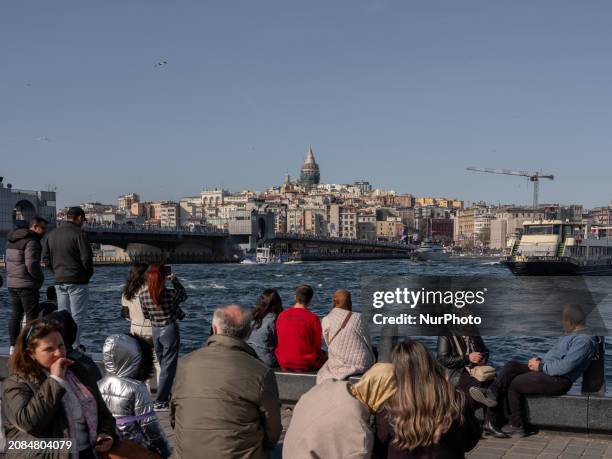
{"type": "Point", "coordinates": [32, 254]}
{"type": "Point", "coordinates": [581, 349]}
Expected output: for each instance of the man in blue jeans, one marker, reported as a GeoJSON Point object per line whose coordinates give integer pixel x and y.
{"type": "Point", "coordinates": [69, 256]}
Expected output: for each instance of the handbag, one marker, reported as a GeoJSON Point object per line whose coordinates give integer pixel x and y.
{"type": "Point", "coordinates": [129, 449]}
{"type": "Point", "coordinates": [481, 373]}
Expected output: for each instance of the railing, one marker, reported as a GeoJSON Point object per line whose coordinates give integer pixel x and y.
{"type": "Point", "coordinates": [154, 229]}
{"type": "Point", "coordinates": [362, 242]}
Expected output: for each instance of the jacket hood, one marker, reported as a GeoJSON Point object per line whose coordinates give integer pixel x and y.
{"type": "Point", "coordinates": [121, 356]}
{"type": "Point", "coordinates": [21, 233]}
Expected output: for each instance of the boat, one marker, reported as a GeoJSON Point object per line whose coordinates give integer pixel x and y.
{"type": "Point", "coordinates": [431, 251]}
{"type": "Point", "coordinates": [557, 248]}
{"type": "Point", "coordinates": [291, 259]}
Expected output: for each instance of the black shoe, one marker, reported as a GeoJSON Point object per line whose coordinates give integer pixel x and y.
{"type": "Point", "coordinates": [484, 396]}
{"type": "Point", "coordinates": [490, 430]}
{"type": "Point", "coordinates": [161, 406]}
{"type": "Point", "coordinates": [513, 431]}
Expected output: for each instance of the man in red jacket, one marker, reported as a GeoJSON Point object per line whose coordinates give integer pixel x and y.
{"type": "Point", "coordinates": [299, 335]}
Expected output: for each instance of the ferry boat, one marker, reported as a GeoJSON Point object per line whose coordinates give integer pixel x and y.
{"type": "Point", "coordinates": [263, 255]}
{"type": "Point", "coordinates": [430, 251]}
{"type": "Point", "coordinates": [556, 248]}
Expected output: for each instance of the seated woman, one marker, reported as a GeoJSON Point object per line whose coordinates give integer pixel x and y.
{"type": "Point", "coordinates": [426, 417]}
{"type": "Point", "coordinates": [349, 351]}
{"type": "Point", "coordinates": [128, 361]}
{"type": "Point", "coordinates": [332, 420]}
{"type": "Point", "coordinates": [460, 355]}
{"type": "Point", "coordinates": [48, 396]}
{"type": "Point", "coordinates": [263, 326]}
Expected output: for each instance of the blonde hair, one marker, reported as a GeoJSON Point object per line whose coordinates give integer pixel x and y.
{"type": "Point", "coordinates": [425, 404]}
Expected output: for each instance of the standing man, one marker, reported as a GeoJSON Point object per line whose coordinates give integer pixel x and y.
{"type": "Point", "coordinates": [23, 272]}
{"type": "Point", "coordinates": [68, 254]}
{"type": "Point", "coordinates": [225, 401]}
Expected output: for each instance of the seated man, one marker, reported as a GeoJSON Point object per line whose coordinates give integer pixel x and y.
{"type": "Point", "coordinates": [550, 375]}
{"type": "Point", "coordinates": [299, 335]}
{"type": "Point", "coordinates": [225, 400]}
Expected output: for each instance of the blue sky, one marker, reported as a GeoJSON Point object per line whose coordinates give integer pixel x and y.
{"type": "Point", "coordinates": [404, 94]}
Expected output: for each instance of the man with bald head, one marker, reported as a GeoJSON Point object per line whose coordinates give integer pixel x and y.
{"type": "Point", "coordinates": [225, 400]}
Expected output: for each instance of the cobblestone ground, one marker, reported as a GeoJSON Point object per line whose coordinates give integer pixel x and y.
{"type": "Point", "coordinates": [544, 445]}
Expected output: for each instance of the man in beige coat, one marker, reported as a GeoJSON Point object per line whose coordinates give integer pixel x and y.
{"type": "Point", "coordinates": [225, 401]}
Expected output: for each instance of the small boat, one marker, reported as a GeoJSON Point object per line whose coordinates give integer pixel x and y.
{"type": "Point", "coordinates": [431, 251]}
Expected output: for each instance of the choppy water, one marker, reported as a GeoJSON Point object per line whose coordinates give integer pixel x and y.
{"type": "Point", "coordinates": [211, 285]}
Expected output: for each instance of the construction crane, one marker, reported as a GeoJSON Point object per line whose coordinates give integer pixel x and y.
{"type": "Point", "coordinates": [533, 177]}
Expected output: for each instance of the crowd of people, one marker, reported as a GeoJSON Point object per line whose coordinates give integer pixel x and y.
{"type": "Point", "coordinates": [223, 398]}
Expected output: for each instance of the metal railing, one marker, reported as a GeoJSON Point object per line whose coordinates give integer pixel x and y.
{"type": "Point", "coordinates": [359, 242]}
{"type": "Point", "coordinates": [155, 229]}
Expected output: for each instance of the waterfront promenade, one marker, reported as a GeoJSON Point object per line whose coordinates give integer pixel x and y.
{"type": "Point", "coordinates": [544, 445]}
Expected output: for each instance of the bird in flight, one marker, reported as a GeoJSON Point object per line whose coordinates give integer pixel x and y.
{"type": "Point", "coordinates": [160, 63]}
{"type": "Point", "coordinates": [44, 139]}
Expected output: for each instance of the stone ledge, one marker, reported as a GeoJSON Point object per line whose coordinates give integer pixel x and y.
{"type": "Point", "coordinates": [573, 412]}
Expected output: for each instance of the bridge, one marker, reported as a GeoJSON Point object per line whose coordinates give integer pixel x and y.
{"type": "Point", "coordinates": [202, 244]}
{"type": "Point", "coordinates": [148, 243]}
{"type": "Point", "coordinates": [330, 248]}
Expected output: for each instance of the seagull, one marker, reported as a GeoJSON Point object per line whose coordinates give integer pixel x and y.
{"type": "Point", "coordinates": [160, 63]}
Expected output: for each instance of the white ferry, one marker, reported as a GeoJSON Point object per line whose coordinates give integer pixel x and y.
{"type": "Point", "coordinates": [554, 247]}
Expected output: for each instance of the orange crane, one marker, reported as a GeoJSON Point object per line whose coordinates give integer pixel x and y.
{"type": "Point", "coordinates": [533, 177]}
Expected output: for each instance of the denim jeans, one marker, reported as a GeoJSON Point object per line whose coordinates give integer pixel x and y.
{"type": "Point", "coordinates": [25, 300]}
{"type": "Point", "coordinates": [166, 341]}
{"type": "Point", "coordinates": [74, 298]}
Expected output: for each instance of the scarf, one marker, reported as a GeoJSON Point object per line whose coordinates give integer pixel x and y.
{"type": "Point", "coordinates": [376, 386]}
{"type": "Point", "coordinates": [89, 408]}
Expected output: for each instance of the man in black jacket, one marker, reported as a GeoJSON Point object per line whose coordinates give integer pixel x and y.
{"type": "Point", "coordinates": [24, 273]}
{"type": "Point", "coordinates": [69, 255]}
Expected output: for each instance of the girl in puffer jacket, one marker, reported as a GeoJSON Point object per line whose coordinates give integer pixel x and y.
{"type": "Point", "coordinates": [128, 361]}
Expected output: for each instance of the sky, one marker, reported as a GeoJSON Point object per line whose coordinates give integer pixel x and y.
{"type": "Point", "coordinates": [404, 94]}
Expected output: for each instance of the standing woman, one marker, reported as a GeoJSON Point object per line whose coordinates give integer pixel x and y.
{"type": "Point", "coordinates": [161, 306]}
{"type": "Point", "coordinates": [263, 337]}
{"type": "Point", "coordinates": [135, 284]}
{"type": "Point", "coordinates": [426, 417]}
{"type": "Point", "coordinates": [48, 396]}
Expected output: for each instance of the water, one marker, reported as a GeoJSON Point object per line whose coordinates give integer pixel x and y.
{"type": "Point", "coordinates": [211, 285]}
